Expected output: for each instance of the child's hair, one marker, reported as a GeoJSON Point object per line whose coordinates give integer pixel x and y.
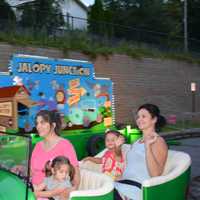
{"type": "Point", "coordinates": [116, 133]}
{"type": "Point", "coordinates": [56, 163]}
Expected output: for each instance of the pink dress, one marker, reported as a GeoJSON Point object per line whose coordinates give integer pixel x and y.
{"type": "Point", "coordinates": [40, 157]}
{"type": "Point", "coordinates": [111, 166]}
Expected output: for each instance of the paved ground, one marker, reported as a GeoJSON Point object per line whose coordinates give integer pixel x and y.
{"type": "Point", "coordinates": [192, 147]}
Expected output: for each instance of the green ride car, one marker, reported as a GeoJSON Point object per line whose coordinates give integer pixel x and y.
{"type": "Point", "coordinates": [15, 153]}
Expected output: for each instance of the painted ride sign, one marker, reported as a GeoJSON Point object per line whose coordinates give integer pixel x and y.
{"type": "Point", "coordinates": [62, 85]}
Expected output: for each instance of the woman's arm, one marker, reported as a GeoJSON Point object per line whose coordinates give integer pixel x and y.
{"type": "Point", "coordinates": [76, 179]}
{"type": "Point", "coordinates": [156, 155]}
{"type": "Point", "coordinates": [49, 193]}
{"type": "Point", "coordinates": [39, 191]}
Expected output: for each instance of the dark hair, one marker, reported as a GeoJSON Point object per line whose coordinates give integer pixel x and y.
{"type": "Point", "coordinates": [56, 163]}
{"type": "Point", "coordinates": [117, 134]}
{"type": "Point", "coordinates": [51, 117]}
{"type": "Point", "coordinates": [114, 132]}
{"type": "Point", "coordinates": [154, 112]}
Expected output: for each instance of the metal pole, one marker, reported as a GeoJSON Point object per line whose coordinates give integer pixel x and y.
{"type": "Point", "coordinates": [193, 90]}
{"type": "Point", "coordinates": [185, 27]}
{"type": "Point", "coordinates": [193, 102]}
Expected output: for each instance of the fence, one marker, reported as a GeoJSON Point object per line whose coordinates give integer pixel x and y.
{"type": "Point", "coordinates": [102, 31]}
{"type": "Point", "coordinates": [186, 120]}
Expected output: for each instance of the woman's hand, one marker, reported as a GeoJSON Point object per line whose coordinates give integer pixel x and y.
{"type": "Point", "coordinates": [150, 140]}
{"type": "Point", "coordinates": [19, 170]}
{"type": "Point", "coordinates": [65, 194]}
{"type": "Point", "coordinates": [120, 140]}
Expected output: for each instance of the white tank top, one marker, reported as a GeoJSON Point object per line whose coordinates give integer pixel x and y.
{"type": "Point", "coordinates": [136, 168]}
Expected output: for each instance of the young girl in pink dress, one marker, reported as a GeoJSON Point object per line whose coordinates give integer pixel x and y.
{"type": "Point", "coordinates": [113, 161]}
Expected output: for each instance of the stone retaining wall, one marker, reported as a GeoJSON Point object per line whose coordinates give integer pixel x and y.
{"type": "Point", "coordinates": [162, 82]}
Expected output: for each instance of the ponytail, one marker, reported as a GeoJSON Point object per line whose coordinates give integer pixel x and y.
{"type": "Point", "coordinates": [161, 122]}
{"type": "Point", "coordinates": [47, 168]}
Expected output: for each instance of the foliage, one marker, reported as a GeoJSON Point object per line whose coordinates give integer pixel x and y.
{"type": "Point", "coordinates": [96, 18]}
{"type": "Point", "coordinates": [193, 18]}
{"type": "Point", "coordinates": [143, 16]}
{"type": "Point", "coordinates": [151, 21]}
{"type": "Point", "coordinates": [6, 11]}
{"type": "Point", "coordinates": [7, 16]}
{"type": "Point", "coordinates": [80, 41]}
{"type": "Point", "coordinates": [42, 15]}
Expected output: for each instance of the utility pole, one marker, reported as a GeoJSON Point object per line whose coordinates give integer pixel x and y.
{"type": "Point", "coordinates": [185, 27]}
{"type": "Point", "coordinates": [193, 90]}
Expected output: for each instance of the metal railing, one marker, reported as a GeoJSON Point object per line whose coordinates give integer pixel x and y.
{"type": "Point", "coordinates": [186, 120]}
{"type": "Point", "coordinates": [109, 33]}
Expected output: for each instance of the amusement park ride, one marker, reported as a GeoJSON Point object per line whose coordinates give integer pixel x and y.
{"type": "Point", "coordinates": [86, 106]}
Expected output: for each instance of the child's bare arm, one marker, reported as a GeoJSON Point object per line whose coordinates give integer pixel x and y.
{"type": "Point", "coordinates": [93, 159]}
{"type": "Point", "coordinates": [49, 193]}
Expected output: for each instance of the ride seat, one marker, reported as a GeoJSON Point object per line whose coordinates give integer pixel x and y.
{"type": "Point", "coordinates": [172, 184]}
{"type": "Point", "coordinates": [93, 186]}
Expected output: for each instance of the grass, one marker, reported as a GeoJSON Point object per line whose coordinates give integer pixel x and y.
{"type": "Point", "coordinates": [13, 151]}
{"type": "Point", "coordinates": [82, 42]}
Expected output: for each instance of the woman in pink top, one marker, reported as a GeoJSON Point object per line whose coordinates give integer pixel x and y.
{"type": "Point", "coordinates": [48, 125]}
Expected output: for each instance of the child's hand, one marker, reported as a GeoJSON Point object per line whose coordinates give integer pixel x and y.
{"type": "Point", "coordinates": [65, 193]}
{"type": "Point", "coordinates": [120, 140]}
{"type": "Point", "coordinates": [19, 169]}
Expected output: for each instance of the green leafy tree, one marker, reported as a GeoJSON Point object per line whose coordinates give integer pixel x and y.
{"type": "Point", "coordinates": [144, 20]}
{"type": "Point", "coordinates": [42, 15]}
{"type": "Point", "coordinates": [194, 19]}
{"type": "Point", "coordinates": [96, 18]}
{"type": "Point", "coordinates": [7, 16]}
{"type": "Point", "coordinates": [114, 16]}
{"type": "Point", "coordinates": [173, 12]}
{"type": "Point", "coordinates": [28, 17]}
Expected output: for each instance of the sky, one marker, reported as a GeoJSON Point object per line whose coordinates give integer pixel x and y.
{"type": "Point", "coordinates": [88, 2]}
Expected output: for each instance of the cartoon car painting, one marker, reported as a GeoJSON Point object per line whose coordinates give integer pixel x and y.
{"type": "Point", "coordinates": [85, 115]}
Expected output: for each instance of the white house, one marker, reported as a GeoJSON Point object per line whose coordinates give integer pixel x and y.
{"type": "Point", "coordinates": [75, 12]}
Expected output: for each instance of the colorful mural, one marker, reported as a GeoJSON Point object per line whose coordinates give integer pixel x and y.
{"type": "Point", "coordinates": [66, 86]}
